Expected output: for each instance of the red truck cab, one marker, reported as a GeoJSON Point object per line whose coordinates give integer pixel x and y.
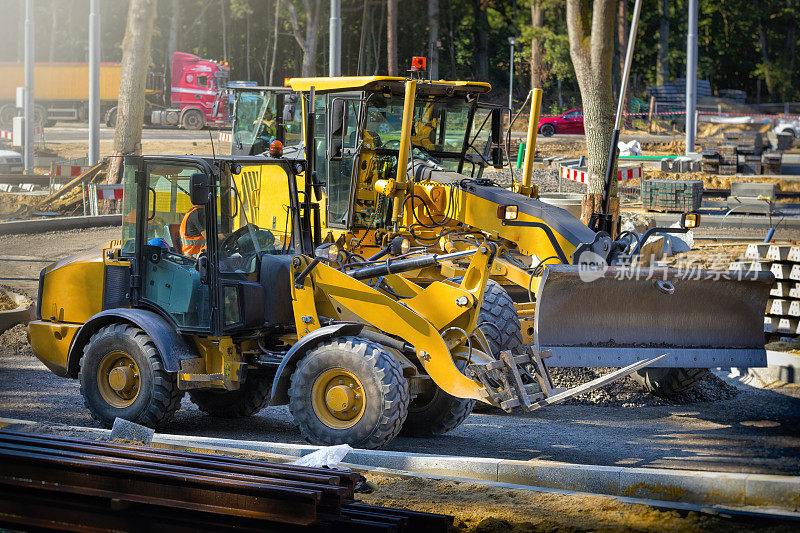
{"type": "Point", "coordinates": [197, 93]}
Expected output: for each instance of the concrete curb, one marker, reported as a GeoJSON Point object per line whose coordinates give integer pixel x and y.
{"type": "Point", "coordinates": [58, 223]}
{"type": "Point", "coordinates": [684, 486]}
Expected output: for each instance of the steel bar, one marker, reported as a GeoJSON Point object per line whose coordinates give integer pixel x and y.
{"type": "Point", "coordinates": [66, 483]}
{"type": "Point", "coordinates": [207, 463]}
{"type": "Point", "coordinates": [346, 478]}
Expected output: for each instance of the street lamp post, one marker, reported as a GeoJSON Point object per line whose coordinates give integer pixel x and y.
{"type": "Point", "coordinates": [512, 41]}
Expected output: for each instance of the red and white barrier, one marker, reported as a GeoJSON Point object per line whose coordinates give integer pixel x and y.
{"type": "Point", "coordinates": [582, 176]}
{"type": "Point", "coordinates": [68, 170]}
{"type": "Point", "coordinates": [225, 136]}
{"type": "Point", "coordinates": [5, 134]}
{"type": "Point", "coordinates": [105, 191]}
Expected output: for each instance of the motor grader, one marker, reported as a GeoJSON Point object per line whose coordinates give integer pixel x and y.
{"type": "Point", "coordinates": [356, 350]}
{"type": "Point", "coordinates": [411, 158]}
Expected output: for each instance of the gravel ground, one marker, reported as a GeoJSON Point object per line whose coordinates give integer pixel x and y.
{"type": "Point", "coordinates": [627, 393]}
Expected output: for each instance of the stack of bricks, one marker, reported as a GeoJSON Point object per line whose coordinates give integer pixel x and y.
{"type": "Point", "coordinates": [782, 316]}
{"type": "Point", "coordinates": [728, 159]}
{"type": "Point", "coordinates": [710, 161]}
{"type": "Point", "coordinates": [672, 195]}
{"type": "Point", "coordinates": [771, 163]}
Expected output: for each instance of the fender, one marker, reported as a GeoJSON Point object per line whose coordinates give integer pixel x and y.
{"type": "Point", "coordinates": [281, 382]}
{"type": "Point", "coordinates": [172, 347]}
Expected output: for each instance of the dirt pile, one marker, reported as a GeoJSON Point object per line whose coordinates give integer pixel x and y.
{"type": "Point", "coordinates": [6, 302]}
{"type": "Point", "coordinates": [628, 393]}
{"type": "Point", "coordinates": [479, 508]}
{"type": "Point", "coordinates": [15, 341]}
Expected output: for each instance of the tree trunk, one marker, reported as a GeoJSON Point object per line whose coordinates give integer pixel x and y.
{"type": "Point", "coordinates": [224, 30]}
{"type": "Point", "coordinates": [275, 41]}
{"type": "Point", "coordinates": [480, 31]}
{"type": "Point", "coordinates": [662, 67]}
{"type": "Point", "coordinates": [51, 56]}
{"type": "Point", "coordinates": [622, 46]}
{"type": "Point", "coordinates": [591, 44]}
{"type": "Point", "coordinates": [172, 47]}
{"type": "Point", "coordinates": [762, 45]}
{"type": "Point", "coordinates": [391, 37]}
{"type": "Point", "coordinates": [307, 42]}
{"type": "Point", "coordinates": [433, 39]}
{"type": "Point", "coordinates": [247, 45]}
{"type": "Point", "coordinates": [537, 60]}
{"type": "Point", "coordinates": [132, 83]}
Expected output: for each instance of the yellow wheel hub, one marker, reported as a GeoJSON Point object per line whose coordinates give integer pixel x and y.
{"type": "Point", "coordinates": [118, 379]}
{"type": "Point", "coordinates": [338, 398]}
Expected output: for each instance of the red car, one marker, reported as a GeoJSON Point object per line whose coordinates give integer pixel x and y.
{"type": "Point", "coordinates": [569, 122]}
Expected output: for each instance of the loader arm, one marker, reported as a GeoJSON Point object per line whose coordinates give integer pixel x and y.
{"type": "Point", "coordinates": [432, 321]}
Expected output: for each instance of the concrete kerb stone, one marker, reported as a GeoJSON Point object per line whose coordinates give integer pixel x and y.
{"type": "Point", "coordinates": [686, 486]}
{"type": "Point", "coordinates": [58, 224]}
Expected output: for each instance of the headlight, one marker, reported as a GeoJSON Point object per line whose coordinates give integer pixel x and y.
{"type": "Point", "coordinates": [329, 251]}
{"type": "Point", "coordinates": [507, 212]}
{"type": "Point", "coordinates": [400, 246]}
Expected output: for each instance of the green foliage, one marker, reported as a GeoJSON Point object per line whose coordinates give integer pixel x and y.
{"type": "Point", "coordinates": [731, 53]}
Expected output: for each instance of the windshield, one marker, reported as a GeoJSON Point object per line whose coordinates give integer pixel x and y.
{"type": "Point", "coordinates": [254, 117]}
{"type": "Point", "coordinates": [439, 125]}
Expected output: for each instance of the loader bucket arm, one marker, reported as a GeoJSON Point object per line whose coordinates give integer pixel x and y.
{"type": "Point", "coordinates": [419, 320]}
{"type": "Point", "coordinates": [615, 316]}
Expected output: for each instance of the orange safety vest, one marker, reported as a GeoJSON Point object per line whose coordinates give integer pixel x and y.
{"type": "Point", "coordinates": [191, 246]}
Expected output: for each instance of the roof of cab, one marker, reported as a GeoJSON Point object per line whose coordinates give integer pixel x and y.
{"type": "Point", "coordinates": [378, 82]}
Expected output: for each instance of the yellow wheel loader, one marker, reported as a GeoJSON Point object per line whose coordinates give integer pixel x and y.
{"type": "Point", "coordinates": [398, 165]}
{"type": "Point", "coordinates": [358, 351]}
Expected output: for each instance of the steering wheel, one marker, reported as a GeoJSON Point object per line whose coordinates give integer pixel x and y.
{"type": "Point", "coordinates": [230, 244]}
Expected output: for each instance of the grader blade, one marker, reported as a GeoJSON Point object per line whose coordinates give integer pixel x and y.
{"type": "Point", "coordinates": [615, 316]}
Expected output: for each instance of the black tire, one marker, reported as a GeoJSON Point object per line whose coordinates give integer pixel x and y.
{"type": "Point", "coordinates": [434, 412]}
{"type": "Point", "coordinates": [111, 117]}
{"type": "Point", "coordinates": [157, 397]}
{"type": "Point", "coordinates": [669, 382]}
{"type": "Point", "coordinates": [384, 389]}
{"type": "Point", "coordinates": [251, 397]}
{"type": "Point", "coordinates": [790, 132]}
{"type": "Point", "coordinates": [7, 114]}
{"type": "Point", "coordinates": [39, 116]}
{"type": "Point", "coordinates": [547, 130]}
{"type": "Point", "coordinates": [193, 120]}
{"type": "Point", "coordinates": [498, 309]}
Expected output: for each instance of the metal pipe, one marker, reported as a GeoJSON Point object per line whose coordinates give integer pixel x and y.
{"type": "Point", "coordinates": [403, 265]}
{"type": "Point", "coordinates": [691, 77]}
{"type": "Point", "coordinates": [405, 148]}
{"type": "Point", "coordinates": [29, 102]}
{"type": "Point", "coordinates": [94, 82]}
{"type": "Point", "coordinates": [530, 142]}
{"type": "Point", "coordinates": [511, 41]}
{"type": "Point", "coordinates": [335, 41]}
{"type": "Point", "coordinates": [605, 224]}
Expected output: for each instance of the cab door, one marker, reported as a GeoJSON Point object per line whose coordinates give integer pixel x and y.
{"type": "Point", "coordinates": [342, 137]}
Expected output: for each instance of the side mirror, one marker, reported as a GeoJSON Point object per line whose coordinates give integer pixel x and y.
{"type": "Point", "coordinates": [690, 220]}
{"type": "Point", "coordinates": [198, 189]}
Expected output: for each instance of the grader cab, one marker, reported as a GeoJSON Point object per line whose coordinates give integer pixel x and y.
{"type": "Point", "coordinates": [411, 158]}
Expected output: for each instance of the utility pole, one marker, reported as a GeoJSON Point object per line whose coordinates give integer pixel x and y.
{"type": "Point", "coordinates": [691, 77]}
{"type": "Point", "coordinates": [29, 112]}
{"type": "Point", "coordinates": [335, 42]}
{"type": "Point", "coordinates": [94, 82]}
{"type": "Point", "coordinates": [512, 41]}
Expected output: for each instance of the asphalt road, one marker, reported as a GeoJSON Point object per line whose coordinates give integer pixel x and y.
{"type": "Point", "coordinates": [755, 431]}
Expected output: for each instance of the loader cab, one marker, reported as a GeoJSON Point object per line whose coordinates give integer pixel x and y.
{"type": "Point", "coordinates": [357, 130]}
{"type": "Point", "coordinates": [195, 257]}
